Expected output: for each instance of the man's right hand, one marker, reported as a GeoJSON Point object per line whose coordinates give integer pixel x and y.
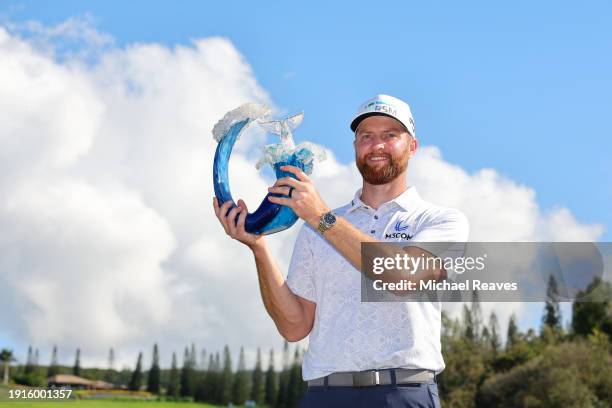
{"type": "Point", "coordinates": [236, 229]}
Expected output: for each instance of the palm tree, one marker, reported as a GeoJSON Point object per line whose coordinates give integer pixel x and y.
{"type": "Point", "coordinates": [6, 356]}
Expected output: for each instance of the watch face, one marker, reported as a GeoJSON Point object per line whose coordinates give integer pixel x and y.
{"type": "Point", "coordinates": [329, 218]}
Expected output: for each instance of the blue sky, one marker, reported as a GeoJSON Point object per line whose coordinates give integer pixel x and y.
{"type": "Point", "coordinates": [522, 87]}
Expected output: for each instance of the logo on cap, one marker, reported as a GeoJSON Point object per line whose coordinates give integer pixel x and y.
{"type": "Point", "coordinates": [380, 107]}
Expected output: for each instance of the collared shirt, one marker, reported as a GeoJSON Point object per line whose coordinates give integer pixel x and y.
{"type": "Point", "coordinates": [351, 335]}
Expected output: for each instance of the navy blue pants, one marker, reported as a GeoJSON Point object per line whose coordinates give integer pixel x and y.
{"type": "Point", "coordinates": [380, 396]}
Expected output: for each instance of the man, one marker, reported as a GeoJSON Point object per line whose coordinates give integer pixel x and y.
{"type": "Point", "coordinates": [360, 354]}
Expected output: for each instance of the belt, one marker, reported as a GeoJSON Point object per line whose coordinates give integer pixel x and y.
{"type": "Point", "coordinates": [374, 377]}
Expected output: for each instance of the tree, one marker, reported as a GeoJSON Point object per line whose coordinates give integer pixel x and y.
{"type": "Point", "coordinates": [494, 340]}
{"type": "Point", "coordinates": [31, 375]}
{"type": "Point", "coordinates": [54, 366]}
{"type": "Point", "coordinates": [208, 387]}
{"type": "Point", "coordinates": [295, 384]}
{"type": "Point", "coordinates": [123, 377]}
{"type": "Point", "coordinates": [225, 381]}
{"type": "Point", "coordinates": [202, 364]}
{"type": "Point", "coordinates": [469, 332]}
{"type": "Point", "coordinates": [110, 370]}
{"type": "Point", "coordinates": [215, 381]}
{"type": "Point", "coordinates": [552, 314]}
{"type": "Point", "coordinates": [76, 370]}
{"type": "Point", "coordinates": [111, 359]}
{"type": "Point", "coordinates": [136, 380]}
{"type": "Point", "coordinates": [476, 312]}
{"type": "Point", "coordinates": [6, 357]}
{"type": "Point", "coordinates": [592, 309]}
{"type": "Point", "coordinates": [192, 357]}
{"type": "Point", "coordinates": [258, 392]}
{"type": "Point", "coordinates": [153, 382]}
{"type": "Point", "coordinates": [472, 319]}
{"type": "Point", "coordinates": [283, 378]}
{"type": "Point", "coordinates": [173, 383]}
{"type": "Point", "coordinates": [569, 374]}
{"type": "Point", "coordinates": [485, 338]}
{"type": "Point", "coordinates": [465, 363]}
{"type": "Point", "coordinates": [240, 391]}
{"type": "Point", "coordinates": [29, 367]}
{"type": "Point", "coordinates": [187, 375]}
{"type": "Point", "coordinates": [271, 382]}
{"type": "Point", "coordinates": [513, 333]}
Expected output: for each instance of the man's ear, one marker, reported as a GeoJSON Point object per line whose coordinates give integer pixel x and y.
{"type": "Point", "coordinates": [414, 144]}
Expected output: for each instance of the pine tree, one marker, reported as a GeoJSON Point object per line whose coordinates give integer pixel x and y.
{"type": "Point", "coordinates": [283, 380]}
{"type": "Point", "coordinates": [209, 383]}
{"type": "Point", "coordinates": [202, 364]}
{"type": "Point", "coordinates": [186, 375]}
{"type": "Point", "coordinates": [192, 357]}
{"type": "Point", "coordinates": [595, 315]}
{"type": "Point", "coordinates": [199, 392]}
{"type": "Point", "coordinates": [110, 375]}
{"type": "Point", "coordinates": [469, 330]}
{"type": "Point", "coordinates": [29, 367]}
{"type": "Point", "coordinates": [476, 315]}
{"type": "Point", "coordinates": [54, 366]}
{"type": "Point", "coordinates": [513, 333]}
{"type": "Point", "coordinates": [173, 383]}
{"type": "Point", "coordinates": [136, 380]}
{"type": "Point", "coordinates": [240, 391]}
{"type": "Point", "coordinates": [153, 382]}
{"type": "Point", "coordinates": [111, 359]}
{"type": "Point", "coordinates": [216, 391]}
{"type": "Point", "coordinates": [271, 382]}
{"type": "Point", "coordinates": [258, 391]}
{"type": "Point", "coordinates": [281, 397]}
{"type": "Point", "coordinates": [494, 338]}
{"type": "Point", "coordinates": [226, 379]}
{"type": "Point", "coordinates": [485, 338]}
{"type": "Point", "coordinates": [294, 385]}
{"type": "Point", "coordinates": [552, 313]}
{"type": "Point", "coordinates": [76, 370]}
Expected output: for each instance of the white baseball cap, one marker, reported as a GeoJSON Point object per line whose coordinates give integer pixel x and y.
{"type": "Point", "coordinates": [388, 106]}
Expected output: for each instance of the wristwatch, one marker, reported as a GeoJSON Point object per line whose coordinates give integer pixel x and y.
{"type": "Point", "coordinates": [326, 221]}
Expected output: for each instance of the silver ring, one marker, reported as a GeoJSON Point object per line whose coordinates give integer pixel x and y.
{"type": "Point", "coordinates": [291, 191]}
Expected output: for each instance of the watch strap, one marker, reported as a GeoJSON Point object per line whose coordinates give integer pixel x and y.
{"type": "Point", "coordinates": [323, 225]}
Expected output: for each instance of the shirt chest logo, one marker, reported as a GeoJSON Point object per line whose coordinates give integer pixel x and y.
{"type": "Point", "coordinates": [400, 227]}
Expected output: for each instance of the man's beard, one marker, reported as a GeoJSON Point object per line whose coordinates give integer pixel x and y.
{"type": "Point", "coordinates": [394, 166]}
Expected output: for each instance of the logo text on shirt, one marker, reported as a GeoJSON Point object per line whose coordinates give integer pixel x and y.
{"type": "Point", "coordinates": [402, 235]}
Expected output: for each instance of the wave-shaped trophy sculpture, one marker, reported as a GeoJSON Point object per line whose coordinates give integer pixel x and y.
{"type": "Point", "coordinates": [269, 217]}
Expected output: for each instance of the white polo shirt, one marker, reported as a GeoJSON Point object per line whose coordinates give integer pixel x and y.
{"type": "Point", "coordinates": [350, 335]}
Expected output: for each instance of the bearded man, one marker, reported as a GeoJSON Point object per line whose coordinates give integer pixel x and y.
{"type": "Point", "coordinates": [360, 354]}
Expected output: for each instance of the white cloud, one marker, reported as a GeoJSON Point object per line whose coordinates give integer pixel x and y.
{"type": "Point", "coordinates": [498, 208]}
{"type": "Point", "coordinates": [109, 238]}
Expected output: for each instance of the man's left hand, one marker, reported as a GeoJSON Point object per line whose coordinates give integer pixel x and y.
{"type": "Point", "coordinates": [305, 200]}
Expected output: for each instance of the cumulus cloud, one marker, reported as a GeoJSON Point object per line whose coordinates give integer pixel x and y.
{"type": "Point", "coordinates": [499, 209]}
{"type": "Point", "coordinates": [109, 238]}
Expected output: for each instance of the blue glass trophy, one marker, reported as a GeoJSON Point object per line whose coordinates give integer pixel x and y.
{"type": "Point", "coordinates": [269, 217]}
